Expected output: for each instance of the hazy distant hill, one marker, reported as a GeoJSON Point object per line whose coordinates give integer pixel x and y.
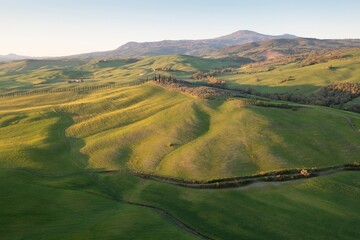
{"type": "Point", "coordinates": [11, 56]}
{"type": "Point", "coordinates": [245, 36]}
{"type": "Point", "coordinates": [189, 47]}
{"type": "Point", "coordinates": [265, 50]}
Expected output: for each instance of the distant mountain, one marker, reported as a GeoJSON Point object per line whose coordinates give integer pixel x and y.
{"type": "Point", "coordinates": [246, 36]}
{"type": "Point", "coordinates": [188, 47]}
{"type": "Point", "coordinates": [11, 57]}
{"type": "Point", "coordinates": [264, 50]}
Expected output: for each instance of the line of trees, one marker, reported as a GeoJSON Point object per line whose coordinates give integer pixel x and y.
{"type": "Point", "coordinates": [275, 176]}
{"type": "Point", "coordinates": [334, 94]}
{"type": "Point", "coordinates": [162, 78]}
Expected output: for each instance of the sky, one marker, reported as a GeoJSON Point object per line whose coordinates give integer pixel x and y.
{"type": "Point", "coordinates": [65, 27]}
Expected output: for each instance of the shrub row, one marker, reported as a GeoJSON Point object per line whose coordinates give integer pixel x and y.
{"type": "Point", "coordinates": [275, 176]}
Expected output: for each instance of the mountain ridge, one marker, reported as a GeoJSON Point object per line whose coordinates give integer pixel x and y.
{"type": "Point", "coordinates": [189, 47]}
{"type": "Point", "coordinates": [218, 46]}
{"type": "Point", "coordinates": [264, 50]}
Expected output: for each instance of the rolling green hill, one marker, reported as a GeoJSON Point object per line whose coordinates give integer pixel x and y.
{"type": "Point", "coordinates": [74, 157]}
{"type": "Point", "coordinates": [48, 74]}
{"type": "Point", "coordinates": [182, 63]}
{"type": "Point", "coordinates": [303, 80]}
{"type": "Point", "coordinates": [147, 128]}
{"type": "Point", "coordinates": [112, 206]}
{"type": "Point", "coordinates": [329, 78]}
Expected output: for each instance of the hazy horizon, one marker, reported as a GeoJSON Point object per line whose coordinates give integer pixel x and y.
{"type": "Point", "coordinates": [60, 28]}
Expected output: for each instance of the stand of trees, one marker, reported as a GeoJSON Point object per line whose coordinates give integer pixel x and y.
{"type": "Point", "coordinates": [201, 75]}
{"type": "Point", "coordinates": [210, 77]}
{"type": "Point", "coordinates": [334, 94]}
{"type": "Point", "coordinates": [337, 93]}
{"type": "Point", "coordinates": [161, 78]}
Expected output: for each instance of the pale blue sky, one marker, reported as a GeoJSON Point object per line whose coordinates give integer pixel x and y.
{"type": "Point", "coordinates": [63, 27]}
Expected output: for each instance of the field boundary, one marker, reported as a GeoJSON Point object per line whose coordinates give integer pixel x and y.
{"type": "Point", "coordinates": [220, 183]}
{"type": "Point", "coordinates": [179, 223]}
{"type": "Point", "coordinates": [237, 182]}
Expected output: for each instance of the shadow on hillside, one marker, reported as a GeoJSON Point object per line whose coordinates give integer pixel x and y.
{"type": "Point", "coordinates": [59, 154]}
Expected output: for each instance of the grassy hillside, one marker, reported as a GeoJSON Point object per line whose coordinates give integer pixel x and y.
{"type": "Point", "coordinates": [148, 128]}
{"type": "Point", "coordinates": [181, 63]}
{"type": "Point", "coordinates": [290, 210]}
{"type": "Point", "coordinates": [38, 207]}
{"type": "Point", "coordinates": [55, 149]}
{"type": "Point", "coordinates": [47, 74]}
{"type": "Point", "coordinates": [102, 206]}
{"type": "Point", "coordinates": [293, 78]}
{"type": "Point", "coordinates": [38, 73]}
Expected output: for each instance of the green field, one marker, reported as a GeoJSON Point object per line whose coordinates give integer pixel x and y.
{"type": "Point", "coordinates": [304, 80]}
{"type": "Point", "coordinates": [147, 128]}
{"type": "Point", "coordinates": [36, 207]}
{"type": "Point", "coordinates": [93, 206]}
{"type": "Point", "coordinates": [45, 74]}
{"type": "Point", "coordinates": [53, 146]}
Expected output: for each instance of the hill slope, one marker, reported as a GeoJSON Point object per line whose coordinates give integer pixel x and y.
{"type": "Point", "coordinates": [300, 75]}
{"type": "Point", "coordinates": [147, 128]}
{"type": "Point", "coordinates": [39, 74]}
{"type": "Point", "coordinates": [259, 51]}
{"type": "Point", "coordinates": [57, 150]}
